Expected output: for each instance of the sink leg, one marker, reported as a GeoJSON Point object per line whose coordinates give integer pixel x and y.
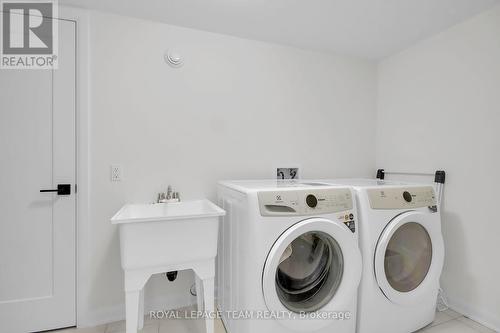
{"type": "Point", "coordinates": [208, 294]}
{"type": "Point", "coordinates": [199, 293]}
{"type": "Point", "coordinates": [140, 323]}
{"type": "Point", "coordinates": [135, 281]}
{"type": "Point", "coordinates": [132, 310]}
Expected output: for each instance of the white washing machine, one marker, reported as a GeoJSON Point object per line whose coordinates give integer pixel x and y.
{"type": "Point", "coordinates": [288, 257]}
{"type": "Point", "coordinates": [403, 252]}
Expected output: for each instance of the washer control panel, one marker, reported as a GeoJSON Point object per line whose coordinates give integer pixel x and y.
{"type": "Point", "coordinates": [304, 202]}
{"type": "Point", "coordinates": [402, 198]}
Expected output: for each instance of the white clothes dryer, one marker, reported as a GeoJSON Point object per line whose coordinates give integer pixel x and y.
{"type": "Point", "coordinates": [403, 253]}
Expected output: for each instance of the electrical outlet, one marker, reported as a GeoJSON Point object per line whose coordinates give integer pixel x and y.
{"type": "Point", "coordinates": [116, 173]}
{"type": "Point", "coordinates": [287, 173]}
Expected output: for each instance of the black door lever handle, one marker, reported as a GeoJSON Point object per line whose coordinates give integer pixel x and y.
{"type": "Point", "coordinates": [62, 189]}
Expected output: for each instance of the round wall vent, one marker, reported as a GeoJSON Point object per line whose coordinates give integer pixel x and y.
{"type": "Point", "coordinates": [173, 58]}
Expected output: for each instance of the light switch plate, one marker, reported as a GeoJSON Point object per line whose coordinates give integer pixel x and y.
{"type": "Point", "coordinates": [116, 173]}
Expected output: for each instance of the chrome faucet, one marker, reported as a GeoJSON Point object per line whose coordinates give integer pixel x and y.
{"type": "Point", "coordinates": [169, 196]}
{"type": "Point", "coordinates": [169, 192]}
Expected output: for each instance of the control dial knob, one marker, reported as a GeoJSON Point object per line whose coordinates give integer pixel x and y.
{"type": "Point", "coordinates": [407, 196]}
{"type": "Point", "coordinates": [311, 201]}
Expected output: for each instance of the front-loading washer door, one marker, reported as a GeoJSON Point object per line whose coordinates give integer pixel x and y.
{"type": "Point", "coordinates": [314, 266]}
{"type": "Point", "coordinates": [409, 257]}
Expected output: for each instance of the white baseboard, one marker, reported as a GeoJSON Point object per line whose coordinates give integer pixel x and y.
{"type": "Point", "coordinates": [117, 312]}
{"type": "Point", "coordinates": [485, 318]}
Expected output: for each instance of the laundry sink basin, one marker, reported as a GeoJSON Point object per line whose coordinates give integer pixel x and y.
{"type": "Point", "coordinates": [167, 233]}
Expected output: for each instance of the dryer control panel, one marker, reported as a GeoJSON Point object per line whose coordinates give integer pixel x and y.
{"type": "Point", "coordinates": [402, 198]}
{"type": "Point", "coordinates": [304, 202]}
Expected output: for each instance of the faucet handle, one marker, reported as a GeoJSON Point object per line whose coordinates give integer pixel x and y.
{"type": "Point", "coordinates": [161, 197]}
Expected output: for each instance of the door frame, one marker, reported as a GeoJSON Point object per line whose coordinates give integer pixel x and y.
{"type": "Point", "coordinates": [81, 19]}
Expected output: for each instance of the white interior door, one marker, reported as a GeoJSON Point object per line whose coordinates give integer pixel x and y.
{"type": "Point", "coordinates": [37, 230]}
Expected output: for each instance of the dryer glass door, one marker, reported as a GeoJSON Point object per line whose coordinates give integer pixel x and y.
{"type": "Point", "coordinates": [409, 257]}
{"type": "Point", "coordinates": [310, 271]}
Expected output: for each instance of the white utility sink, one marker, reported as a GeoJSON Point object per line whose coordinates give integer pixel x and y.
{"type": "Point", "coordinates": [166, 211]}
{"type": "Point", "coordinates": [157, 238]}
{"type": "Point", "coordinates": [159, 234]}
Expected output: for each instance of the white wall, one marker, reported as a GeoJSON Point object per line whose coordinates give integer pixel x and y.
{"type": "Point", "coordinates": [237, 109]}
{"type": "Point", "coordinates": [439, 107]}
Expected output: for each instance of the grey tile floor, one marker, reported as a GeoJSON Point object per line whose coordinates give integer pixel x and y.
{"type": "Point", "coordinates": [446, 322]}
{"type": "Point", "coordinates": [450, 321]}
